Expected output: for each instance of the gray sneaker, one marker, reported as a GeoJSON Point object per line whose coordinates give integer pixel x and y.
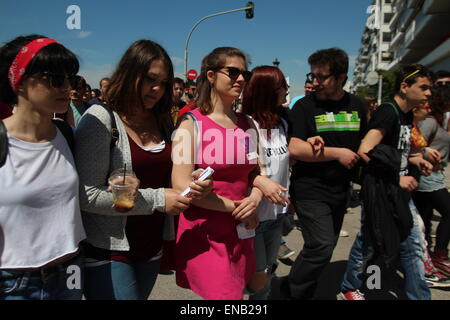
{"type": "Point", "coordinates": [284, 252]}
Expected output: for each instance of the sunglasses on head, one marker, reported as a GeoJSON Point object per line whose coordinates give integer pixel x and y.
{"type": "Point", "coordinates": [234, 73]}
{"type": "Point", "coordinates": [57, 80]}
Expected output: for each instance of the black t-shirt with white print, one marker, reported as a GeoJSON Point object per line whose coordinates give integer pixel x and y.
{"type": "Point", "coordinates": [397, 126]}
{"type": "Point", "coordinates": [341, 124]}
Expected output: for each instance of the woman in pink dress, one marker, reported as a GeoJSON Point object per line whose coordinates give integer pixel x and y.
{"type": "Point", "coordinates": [212, 260]}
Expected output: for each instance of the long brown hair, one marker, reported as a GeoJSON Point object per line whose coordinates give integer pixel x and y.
{"type": "Point", "coordinates": [260, 98]}
{"type": "Point", "coordinates": [439, 102]}
{"type": "Point", "coordinates": [123, 92]}
{"type": "Point", "coordinates": [216, 58]}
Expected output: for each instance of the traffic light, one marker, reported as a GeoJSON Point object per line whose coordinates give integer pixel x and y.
{"type": "Point", "coordinates": [249, 12]}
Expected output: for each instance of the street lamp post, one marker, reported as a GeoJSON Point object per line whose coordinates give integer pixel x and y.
{"type": "Point", "coordinates": [249, 15]}
{"type": "Point", "coordinates": [276, 63]}
{"type": "Point", "coordinates": [380, 43]}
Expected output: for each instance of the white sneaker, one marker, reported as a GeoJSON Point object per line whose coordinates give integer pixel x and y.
{"type": "Point", "coordinates": [343, 233]}
{"type": "Point", "coordinates": [284, 252]}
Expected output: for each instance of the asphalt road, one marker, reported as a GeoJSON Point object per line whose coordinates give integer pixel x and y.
{"type": "Point", "coordinates": [329, 282]}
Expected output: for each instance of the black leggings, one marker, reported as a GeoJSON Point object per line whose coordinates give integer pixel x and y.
{"type": "Point", "coordinates": [425, 203]}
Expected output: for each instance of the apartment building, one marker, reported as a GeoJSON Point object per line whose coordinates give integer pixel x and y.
{"type": "Point", "coordinates": [400, 32]}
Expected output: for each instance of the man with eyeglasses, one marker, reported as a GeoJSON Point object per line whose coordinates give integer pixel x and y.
{"type": "Point", "coordinates": [320, 179]}
{"type": "Point", "coordinates": [442, 78]}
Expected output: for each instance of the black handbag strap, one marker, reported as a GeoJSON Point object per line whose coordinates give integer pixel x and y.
{"type": "Point", "coordinates": [66, 131]}
{"type": "Point", "coordinates": [114, 130]}
{"type": "Point", "coordinates": [3, 144]}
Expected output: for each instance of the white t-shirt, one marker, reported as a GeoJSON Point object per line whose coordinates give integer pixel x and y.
{"type": "Point", "coordinates": [275, 156]}
{"type": "Point", "coordinates": [40, 218]}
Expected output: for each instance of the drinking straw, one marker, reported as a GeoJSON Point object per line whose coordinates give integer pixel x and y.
{"type": "Point", "coordinates": [124, 172]}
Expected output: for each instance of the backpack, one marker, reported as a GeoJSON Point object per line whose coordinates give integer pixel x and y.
{"type": "Point", "coordinates": [65, 129]}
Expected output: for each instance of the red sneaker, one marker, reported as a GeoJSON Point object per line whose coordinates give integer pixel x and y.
{"type": "Point", "coordinates": [351, 295]}
{"type": "Point", "coordinates": [429, 267]}
{"type": "Point", "coordinates": [441, 262]}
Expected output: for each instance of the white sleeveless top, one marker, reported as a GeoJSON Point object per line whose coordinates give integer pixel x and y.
{"type": "Point", "coordinates": [275, 156]}
{"type": "Point", "coordinates": [40, 218]}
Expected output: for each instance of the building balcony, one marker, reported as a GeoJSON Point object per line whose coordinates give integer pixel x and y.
{"type": "Point", "coordinates": [427, 31]}
{"type": "Point", "coordinates": [436, 6]}
{"type": "Point", "coordinates": [396, 40]}
{"type": "Point", "coordinates": [439, 53]}
{"type": "Point", "coordinates": [404, 19]}
{"type": "Point", "coordinates": [391, 66]}
{"type": "Point", "coordinates": [387, 8]}
{"type": "Point", "coordinates": [386, 56]}
{"type": "Point", "coordinates": [413, 3]}
{"type": "Point", "coordinates": [393, 20]}
{"type": "Point", "coordinates": [365, 37]}
{"type": "Point", "coordinates": [363, 60]}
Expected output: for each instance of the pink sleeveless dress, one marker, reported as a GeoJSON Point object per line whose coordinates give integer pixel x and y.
{"type": "Point", "coordinates": [211, 259]}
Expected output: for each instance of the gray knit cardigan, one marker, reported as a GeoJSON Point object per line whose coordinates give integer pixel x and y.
{"type": "Point", "coordinates": [105, 227]}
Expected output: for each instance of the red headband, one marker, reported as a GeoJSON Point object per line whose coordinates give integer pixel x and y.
{"type": "Point", "coordinates": [23, 58]}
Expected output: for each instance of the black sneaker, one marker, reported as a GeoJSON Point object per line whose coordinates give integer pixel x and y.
{"type": "Point", "coordinates": [279, 288]}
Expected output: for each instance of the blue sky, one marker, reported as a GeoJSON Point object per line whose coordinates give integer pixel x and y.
{"type": "Point", "coordinates": [289, 30]}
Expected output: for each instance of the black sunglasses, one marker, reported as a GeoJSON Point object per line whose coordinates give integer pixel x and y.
{"type": "Point", "coordinates": [443, 83]}
{"type": "Point", "coordinates": [320, 77]}
{"type": "Point", "coordinates": [234, 73]}
{"type": "Point", "coordinates": [57, 80]}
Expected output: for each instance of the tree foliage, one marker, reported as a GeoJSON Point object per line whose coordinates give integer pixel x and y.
{"type": "Point", "coordinates": [388, 92]}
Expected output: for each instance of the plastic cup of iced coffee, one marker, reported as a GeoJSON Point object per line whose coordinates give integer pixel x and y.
{"type": "Point", "coordinates": [123, 185]}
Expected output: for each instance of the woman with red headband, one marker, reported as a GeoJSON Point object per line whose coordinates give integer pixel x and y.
{"type": "Point", "coordinates": [40, 221]}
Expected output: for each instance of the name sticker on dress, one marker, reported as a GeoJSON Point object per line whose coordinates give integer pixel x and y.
{"type": "Point", "coordinates": [252, 156]}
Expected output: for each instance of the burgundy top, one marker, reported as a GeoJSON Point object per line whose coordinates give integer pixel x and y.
{"type": "Point", "coordinates": [144, 233]}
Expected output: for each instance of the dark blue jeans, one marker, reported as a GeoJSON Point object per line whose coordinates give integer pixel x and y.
{"type": "Point", "coordinates": [61, 282]}
{"type": "Point", "coordinates": [121, 281]}
{"type": "Point", "coordinates": [411, 257]}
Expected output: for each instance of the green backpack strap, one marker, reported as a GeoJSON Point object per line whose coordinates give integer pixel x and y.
{"type": "Point", "coordinates": [3, 144]}
{"type": "Point", "coordinates": [395, 110]}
